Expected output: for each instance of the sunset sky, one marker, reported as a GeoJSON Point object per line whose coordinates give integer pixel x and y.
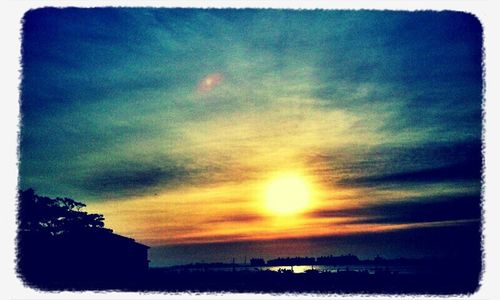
{"type": "Point", "coordinates": [212, 134]}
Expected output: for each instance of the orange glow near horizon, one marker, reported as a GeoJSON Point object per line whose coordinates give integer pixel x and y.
{"type": "Point", "coordinates": [239, 211]}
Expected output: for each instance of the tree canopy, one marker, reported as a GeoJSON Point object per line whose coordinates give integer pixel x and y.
{"type": "Point", "coordinates": [55, 216]}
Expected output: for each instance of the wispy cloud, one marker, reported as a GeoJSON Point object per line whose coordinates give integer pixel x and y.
{"type": "Point", "coordinates": [134, 178]}
{"type": "Point", "coordinates": [415, 210]}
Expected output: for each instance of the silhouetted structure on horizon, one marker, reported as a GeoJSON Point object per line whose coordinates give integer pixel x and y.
{"type": "Point", "coordinates": [348, 259]}
{"type": "Point", "coordinates": [257, 262]}
{"type": "Point", "coordinates": [291, 261]}
{"type": "Point", "coordinates": [338, 260]}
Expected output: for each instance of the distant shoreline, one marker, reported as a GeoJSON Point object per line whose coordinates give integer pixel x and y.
{"type": "Point", "coordinates": [297, 262]}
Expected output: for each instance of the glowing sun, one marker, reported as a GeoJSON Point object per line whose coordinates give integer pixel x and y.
{"type": "Point", "coordinates": [287, 194]}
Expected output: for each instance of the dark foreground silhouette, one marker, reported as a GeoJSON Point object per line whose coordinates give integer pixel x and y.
{"type": "Point", "coordinates": [313, 282]}
{"type": "Point", "coordinates": [381, 282]}
{"type": "Point", "coordinates": [63, 248]}
{"type": "Point", "coordinates": [60, 246]}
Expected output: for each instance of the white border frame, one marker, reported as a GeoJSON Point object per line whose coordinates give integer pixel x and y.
{"type": "Point", "coordinates": [11, 14]}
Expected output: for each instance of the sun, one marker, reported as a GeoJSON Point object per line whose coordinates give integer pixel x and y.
{"type": "Point", "coordinates": [287, 194]}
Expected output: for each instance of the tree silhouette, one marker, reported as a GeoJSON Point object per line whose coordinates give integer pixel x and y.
{"type": "Point", "coordinates": [55, 216]}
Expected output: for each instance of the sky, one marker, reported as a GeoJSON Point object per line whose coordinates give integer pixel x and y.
{"type": "Point", "coordinates": [179, 124]}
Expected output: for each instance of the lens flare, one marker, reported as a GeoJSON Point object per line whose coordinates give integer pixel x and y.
{"type": "Point", "coordinates": [209, 82]}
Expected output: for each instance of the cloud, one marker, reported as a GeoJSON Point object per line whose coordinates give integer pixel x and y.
{"type": "Point", "coordinates": [416, 210]}
{"type": "Point", "coordinates": [431, 88]}
{"type": "Point", "coordinates": [394, 164]}
{"type": "Point", "coordinates": [153, 175]}
{"type": "Point", "coordinates": [133, 178]}
{"type": "Point", "coordinates": [469, 170]}
{"type": "Point", "coordinates": [237, 218]}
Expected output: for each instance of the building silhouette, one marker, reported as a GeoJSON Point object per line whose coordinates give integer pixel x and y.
{"type": "Point", "coordinates": [90, 257]}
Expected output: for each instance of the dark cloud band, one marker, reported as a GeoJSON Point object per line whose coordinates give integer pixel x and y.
{"type": "Point", "coordinates": [416, 210]}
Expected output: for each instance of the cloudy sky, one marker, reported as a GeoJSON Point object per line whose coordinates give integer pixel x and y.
{"type": "Point", "coordinates": [175, 123]}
